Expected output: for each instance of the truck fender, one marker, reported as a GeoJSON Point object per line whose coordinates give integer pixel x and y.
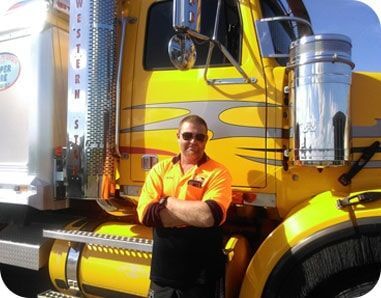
{"type": "Point", "coordinates": [316, 241]}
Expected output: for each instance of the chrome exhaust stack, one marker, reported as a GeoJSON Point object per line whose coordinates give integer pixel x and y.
{"type": "Point", "coordinates": [320, 74]}
{"type": "Point", "coordinates": [92, 99]}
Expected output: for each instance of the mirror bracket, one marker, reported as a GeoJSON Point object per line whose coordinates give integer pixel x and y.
{"type": "Point", "coordinates": [245, 80]}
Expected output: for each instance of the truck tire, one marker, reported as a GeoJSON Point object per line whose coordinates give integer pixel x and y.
{"type": "Point", "coordinates": [345, 263]}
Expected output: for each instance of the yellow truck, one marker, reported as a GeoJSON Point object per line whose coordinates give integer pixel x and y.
{"type": "Point", "coordinates": [91, 93]}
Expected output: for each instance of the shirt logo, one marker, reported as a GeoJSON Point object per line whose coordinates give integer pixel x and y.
{"type": "Point", "coordinates": [198, 181]}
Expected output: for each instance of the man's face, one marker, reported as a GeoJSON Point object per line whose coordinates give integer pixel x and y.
{"type": "Point", "coordinates": [190, 140]}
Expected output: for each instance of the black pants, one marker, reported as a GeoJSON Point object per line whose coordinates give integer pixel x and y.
{"type": "Point", "coordinates": [212, 290]}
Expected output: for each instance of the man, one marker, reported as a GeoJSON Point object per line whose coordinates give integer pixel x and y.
{"type": "Point", "coordinates": [186, 199]}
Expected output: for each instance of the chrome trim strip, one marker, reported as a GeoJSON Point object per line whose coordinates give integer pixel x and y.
{"type": "Point", "coordinates": [138, 244]}
{"type": "Point", "coordinates": [230, 81]}
{"type": "Point", "coordinates": [118, 84]}
{"type": "Point", "coordinates": [72, 265]}
{"type": "Point", "coordinates": [367, 131]}
{"type": "Point", "coordinates": [333, 230]}
{"type": "Point", "coordinates": [263, 200]}
{"type": "Point", "coordinates": [54, 294]}
{"type": "Point", "coordinates": [372, 164]}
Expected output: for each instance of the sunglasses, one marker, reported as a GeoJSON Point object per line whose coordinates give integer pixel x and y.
{"type": "Point", "coordinates": [187, 136]}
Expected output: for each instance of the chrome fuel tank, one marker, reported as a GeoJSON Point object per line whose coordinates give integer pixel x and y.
{"type": "Point", "coordinates": [320, 73]}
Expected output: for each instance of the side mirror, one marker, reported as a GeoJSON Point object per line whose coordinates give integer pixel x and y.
{"type": "Point", "coordinates": [182, 51]}
{"type": "Point", "coordinates": [186, 15]}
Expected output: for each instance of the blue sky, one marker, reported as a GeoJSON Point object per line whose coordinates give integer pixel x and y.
{"type": "Point", "coordinates": [360, 20]}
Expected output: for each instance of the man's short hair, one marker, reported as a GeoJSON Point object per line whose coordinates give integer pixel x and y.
{"type": "Point", "coordinates": [195, 119]}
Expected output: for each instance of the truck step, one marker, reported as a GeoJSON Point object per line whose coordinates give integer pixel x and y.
{"type": "Point", "coordinates": [24, 246]}
{"type": "Point", "coordinates": [138, 244]}
{"type": "Point", "coordinates": [54, 294]}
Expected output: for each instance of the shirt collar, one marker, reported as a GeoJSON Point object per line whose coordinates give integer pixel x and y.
{"type": "Point", "coordinates": [203, 159]}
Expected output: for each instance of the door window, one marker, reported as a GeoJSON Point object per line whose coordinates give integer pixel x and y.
{"type": "Point", "coordinates": [159, 31]}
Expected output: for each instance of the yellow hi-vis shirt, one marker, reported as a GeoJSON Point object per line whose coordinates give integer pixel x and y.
{"type": "Point", "coordinates": [206, 181]}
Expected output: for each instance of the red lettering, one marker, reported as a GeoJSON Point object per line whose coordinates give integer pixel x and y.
{"type": "Point", "coordinates": [77, 77]}
{"type": "Point", "coordinates": [79, 3]}
{"type": "Point", "coordinates": [62, 5]}
{"type": "Point", "coordinates": [79, 33]}
{"type": "Point", "coordinates": [77, 93]}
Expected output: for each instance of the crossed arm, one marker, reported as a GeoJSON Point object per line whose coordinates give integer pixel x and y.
{"type": "Point", "coordinates": [191, 213]}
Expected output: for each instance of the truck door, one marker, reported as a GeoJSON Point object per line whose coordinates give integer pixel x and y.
{"type": "Point", "coordinates": [162, 95]}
